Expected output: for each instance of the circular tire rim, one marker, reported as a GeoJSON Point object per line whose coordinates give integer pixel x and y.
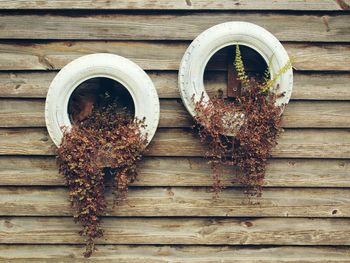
{"type": "Point", "coordinates": [197, 55]}
{"type": "Point", "coordinates": [111, 66]}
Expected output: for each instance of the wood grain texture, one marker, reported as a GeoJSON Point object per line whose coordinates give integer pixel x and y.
{"type": "Point", "coordinates": [317, 115]}
{"type": "Point", "coordinates": [184, 202]}
{"type": "Point", "coordinates": [185, 26]}
{"type": "Point", "coordinates": [305, 87]}
{"type": "Point", "coordinates": [17, 55]}
{"type": "Point", "coordinates": [24, 113]}
{"type": "Point", "coordinates": [302, 5]}
{"type": "Point", "coordinates": [294, 143]}
{"type": "Point", "coordinates": [174, 254]}
{"type": "Point", "coordinates": [298, 114]}
{"type": "Point", "coordinates": [181, 171]}
{"type": "Point", "coordinates": [269, 231]}
{"type": "Point", "coordinates": [170, 215]}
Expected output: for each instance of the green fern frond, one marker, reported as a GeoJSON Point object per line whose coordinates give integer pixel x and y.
{"type": "Point", "coordinates": [267, 74]}
{"type": "Point", "coordinates": [239, 66]}
{"type": "Point", "coordinates": [270, 82]}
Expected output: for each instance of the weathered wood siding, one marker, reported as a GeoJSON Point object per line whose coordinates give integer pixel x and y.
{"type": "Point", "coordinates": [170, 216]}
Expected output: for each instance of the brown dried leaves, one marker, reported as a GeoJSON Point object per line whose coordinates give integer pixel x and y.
{"type": "Point", "coordinates": [251, 145]}
{"type": "Point", "coordinates": [108, 142]}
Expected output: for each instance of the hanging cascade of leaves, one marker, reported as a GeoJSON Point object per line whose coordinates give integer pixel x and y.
{"type": "Point", "coordinates": [107, 143]}
{"type": "Point", "coordinates": [253, 136]}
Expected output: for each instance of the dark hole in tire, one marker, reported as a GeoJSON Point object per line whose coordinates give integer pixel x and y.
{"type": "Point", "coordinates": [216, 70]}
{"type": "Point", "coordinates": [98, 92]}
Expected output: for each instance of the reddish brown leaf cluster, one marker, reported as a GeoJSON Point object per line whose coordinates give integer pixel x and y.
{"type": "Point", "coordinates": [107, 143]}
{"type": "Point", "coordinates": [257, 137]}
{"type": "Point", "coordinates": [252, 138]}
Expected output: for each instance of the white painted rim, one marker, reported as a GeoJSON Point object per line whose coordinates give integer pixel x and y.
{"type": "Point", "coordinates": [197, 55]}
{"type": "Point", "coordinates": [111, 66]}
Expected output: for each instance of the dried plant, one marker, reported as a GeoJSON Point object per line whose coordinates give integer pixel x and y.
{"type": "Point", "coordinates": [254, 124]}
{"type": "Point", "coordinates": [108, 143]}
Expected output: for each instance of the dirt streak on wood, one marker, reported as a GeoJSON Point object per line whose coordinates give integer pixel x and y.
{"type": "Point", "coordinates": [155, 55]}
{"type": "Point", "coordinates": [181, 171]}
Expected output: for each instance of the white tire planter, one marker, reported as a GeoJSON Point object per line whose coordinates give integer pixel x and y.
{"type": "Point", "coordinates": [120, 69]}
{"type": "Point", "coordinates": [217, 37]}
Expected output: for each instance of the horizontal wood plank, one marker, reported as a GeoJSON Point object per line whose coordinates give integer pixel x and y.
{"type": "Point", "coordinates": [305, 86]}
{"type": "Point", "coordinates": [293, 143]}
{"type": "Point", "coordinates": [24, 113]}
{"type": "Point", "coordinates": [31, 113]}
{"type": "Point", "coordinates": [185, 26]}
{"type": "Point", "coordinates": [174, 254]}
{"type": "Point", "coordinates": [184, 202]}
{"type": "Point", "coordinates": [35, 220]}
{"type": "Point", "coordinates": [317, 115]}
{"type": "Point", "coordinates": [303, 5]}
{"type": "Point", "coordinates": [169, 171]}
{"type": "Point", "coordinates": [17, 55]}
{"type": "Point", "coordinates": [269, 231]}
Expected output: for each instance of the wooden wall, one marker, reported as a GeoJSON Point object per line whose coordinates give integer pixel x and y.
{"type": "Point", "coordinates": [304, 215]}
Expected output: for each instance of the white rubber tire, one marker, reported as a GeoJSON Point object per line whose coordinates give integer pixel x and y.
{"type": "Point", "coordinates": [115, 67]}
{"type": "Point", "coordinates": [217, 37]}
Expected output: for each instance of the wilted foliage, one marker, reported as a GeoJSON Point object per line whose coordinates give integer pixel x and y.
{"type": "Point", "coordinates": [108, 142]}
{"type": "Point", "coordinates": [241, 132]}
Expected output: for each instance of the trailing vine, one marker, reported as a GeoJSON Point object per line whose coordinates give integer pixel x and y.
{"type": "Point", "coordinates": [107, 143]}
{"type": "Point", "coordinates": [254, 124]}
